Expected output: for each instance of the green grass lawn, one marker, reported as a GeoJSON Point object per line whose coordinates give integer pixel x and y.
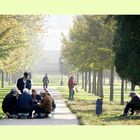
{"type": "Point", "coordinates": [84, 108]}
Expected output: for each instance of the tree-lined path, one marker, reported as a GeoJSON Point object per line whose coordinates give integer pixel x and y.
{"type": "Point", "coordinates": [62, 116]}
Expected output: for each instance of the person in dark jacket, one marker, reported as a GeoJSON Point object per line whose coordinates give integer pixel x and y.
{"type": "Point", "coordinates": [9, 104]}
{"type": "Point", "coordinates": [25, 103]}
{"type": "Point", "coordinates": [133, 104]}
{"type": "Point", "coordinates": [24, 82]}
{"type": "Point", "coordinates": [45, 81]}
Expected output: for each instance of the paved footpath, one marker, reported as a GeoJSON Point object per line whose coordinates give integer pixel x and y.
{"type": "Point", "coordinates": [62, 116]}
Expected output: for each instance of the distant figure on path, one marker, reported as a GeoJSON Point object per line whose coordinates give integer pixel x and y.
{"type": "Point", "coordinates": [71, 84]}
{"type": "Point", "coordinates": [45, 81]}
{"type": "Point", "coordinates": [24, 82]}
{"type": "Point", "coordinates": [133, 104]}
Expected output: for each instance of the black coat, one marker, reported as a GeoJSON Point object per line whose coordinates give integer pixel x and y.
{"type": "Point", "coordinates": [20, 84]}
{"type": "Point", "coordinates": [9, 103]}
{"type": "Point", "coordinates": [135, 101]}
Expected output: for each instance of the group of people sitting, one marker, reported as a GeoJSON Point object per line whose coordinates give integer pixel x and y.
{"type": "Point", "coordinates": [34, 104]}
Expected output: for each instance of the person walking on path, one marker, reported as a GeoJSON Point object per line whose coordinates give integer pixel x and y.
{"type": "Point", "coordinates": [24, 82]}
{"type": "Point", "coordinates": [45, 81]}
{"type": "Point", "coordinates": [71, 85]}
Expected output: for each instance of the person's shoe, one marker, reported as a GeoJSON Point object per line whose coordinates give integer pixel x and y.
{"type": "Point", "coordinates": [29, 117]}
{"type": "Point", "coordinates": [46, 116]}
{"type": "Point", "coordinates": [11, 116]}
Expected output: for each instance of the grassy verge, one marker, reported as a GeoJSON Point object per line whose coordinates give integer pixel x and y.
{"type": "Point", "coordinates": [84, 108]}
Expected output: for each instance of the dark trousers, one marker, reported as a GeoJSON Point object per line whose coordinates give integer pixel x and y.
{"type": "Point", "coordinates": [45, 85]}
{"type": "Point", "coordinates": [25, 110]}
{"type": "Point", "coordinates": [12, 110]}
{"type": "Point", "coordinates": [71, 94]}
{"type": "Point", "coordinates": [39, 110]}
{"type": "Point", "coordinates": [131, 106]}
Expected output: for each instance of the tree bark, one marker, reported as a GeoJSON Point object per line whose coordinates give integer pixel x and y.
{"type": "Point", "coordinates": [9, 79]}
{"type": "Point", "coordinates": [101, 83]}
{"type": "Point", "coordinates": [85, 81]}
{"type": "Point", "coordinates": [77, 78]}
{"type": "Point", "coordinates": [89, 83]}
{"type": "Point", "coordinates": [94, 83]}
{"type": "Point", "coordinates": [6, 77]}
{"type": "Point", "coordinates": [132, 86]}
{"type": "Point", "coordinates": [2, 79]}
{"type": "Point", "coordinates": [82, 80]}
{"type": "Point", "coordinates": [112, 83]}
{"type": "Point", "coordinates": [125, 85]}
{"type": "Point", "coordinates": [104, 80]}
{"type": "Point", "coordinates": [13, 78]}
{"type": "Point", "coordinates": [122, 92]}
{"type": "Point", "coordinates": [98, 84]}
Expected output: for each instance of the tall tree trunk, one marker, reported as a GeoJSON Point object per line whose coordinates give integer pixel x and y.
{"type": "Point", "coordinates": [94, 83]}
{"type": "Point", "coordinates": [122, 92]}
{"type": "Point", "coordinates": [101, 83]}
{"type": "Point", "coordinates": [6, 77]}
{"type": "Point", "coordinates": [112, 83]}
{"type": "Point", "coordinates": [125, 85]}
{"type": "Point", "coordinates": [85, 81]}
{"type": "Point", "coordinates": [9, 79]}
{"type": "Point", "coordinates": [89, 78]}
{"type": "Point", "coordinates": [13, 78]}
{"type": "Point", "coordinates": [77, 78]}
{"type": "Point", "coordinates": [20, 73]}
{"type": "Point", "coordinates": [98, 84]}
{"type": "Point", "coordinates": [132, 86]}
{"type": "Point", "coordinates": [2, 79]}
{"type": "Point", "coordinates": [104, 80]}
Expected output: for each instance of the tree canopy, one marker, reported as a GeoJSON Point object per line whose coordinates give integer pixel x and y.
{"type": "Point", "coordinates": [127, 48]}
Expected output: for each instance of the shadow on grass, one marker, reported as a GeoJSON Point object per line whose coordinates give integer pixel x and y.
{"type": "Point", "coordinates": [87, 111]}
{"type": "Point", "coordinates": [120, 118]}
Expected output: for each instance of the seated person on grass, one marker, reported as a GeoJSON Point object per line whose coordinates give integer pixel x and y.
{"type": "Point", "coordinates": [132, 105]}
